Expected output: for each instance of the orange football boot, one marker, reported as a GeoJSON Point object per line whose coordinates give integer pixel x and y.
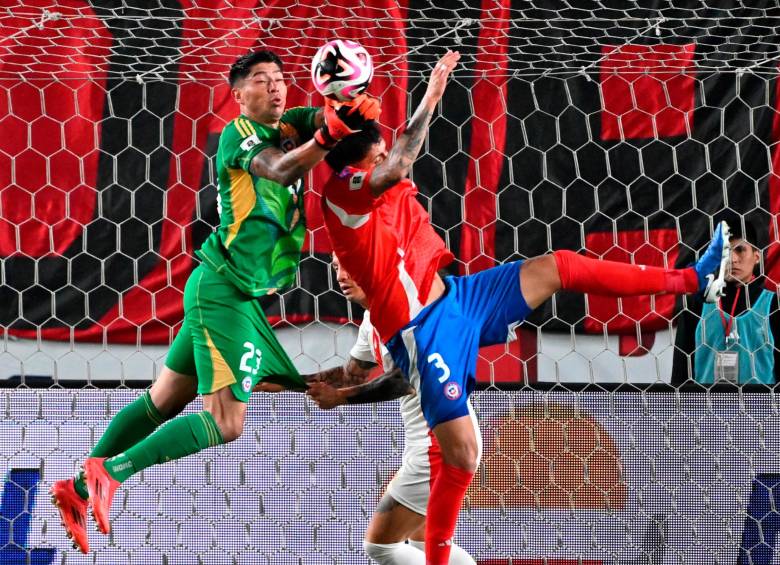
{"type": "Point", "coordinates": [73, 512]}
{"type": "Point", "coordinates": [101, 487]}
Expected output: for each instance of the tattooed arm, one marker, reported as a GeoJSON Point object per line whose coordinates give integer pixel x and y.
{"type": "Point", "coordinates": [355, 372]}
{"type": "Point", "coordinates": [286, 168]}
{"type": "Point", "coordinates": [388, 386]}
{"type": "Point", "coordinates": [403, 154]}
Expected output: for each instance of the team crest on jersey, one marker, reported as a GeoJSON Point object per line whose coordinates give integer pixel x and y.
{"type": "Point", "coordinates": [250, 142]}
{"type": "Point", "coordinates": [246, 384]}
{"type": "Point", "coordinates": [356, 181]}
{"type": "Point", "coordinates": [452, 390]}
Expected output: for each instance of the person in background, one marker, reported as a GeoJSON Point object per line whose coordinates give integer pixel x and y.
{"type": "Point", "coordinates": [733, 340]}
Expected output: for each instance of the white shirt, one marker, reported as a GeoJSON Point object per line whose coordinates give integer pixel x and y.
{"type": "Point", "coordinates": [368, 348]}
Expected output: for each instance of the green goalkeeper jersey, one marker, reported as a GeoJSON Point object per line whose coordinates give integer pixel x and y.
{"type": "Point", "coordinates": [262, 225]}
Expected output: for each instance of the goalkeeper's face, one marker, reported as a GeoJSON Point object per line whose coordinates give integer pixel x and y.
{"type": "Point", "coordinates": [262, 94]}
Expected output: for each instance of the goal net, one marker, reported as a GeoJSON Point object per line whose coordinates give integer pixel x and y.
{"type": "Point", "coordinates": [616, 130]}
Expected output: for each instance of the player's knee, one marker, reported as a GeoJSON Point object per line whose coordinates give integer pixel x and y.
{"type": "Point", "coordinates": [539, 279]}
{"type": "Point", "coordinates": [544, 271]}
{"type": "Point", "coordinates": [382, 553]}
{"type": "Point", "coordinates": [463, 455]}
{"type": "Point", "coordinates": [466, 461]}
{"type": "Point", "coordinates": [231, 428]}
{"type": "Point", "coordinates": [172, 392]}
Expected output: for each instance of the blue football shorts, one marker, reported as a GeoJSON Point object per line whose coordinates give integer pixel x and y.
{"type": "Point", "coordinates": [438, 349]}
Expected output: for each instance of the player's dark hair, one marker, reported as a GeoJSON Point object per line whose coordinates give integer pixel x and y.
{"type": "Point", "coordinates": [748, 231]}
{"type": "Point", "coordinates": [354, 148]}
{"type": "Point", "coordinates": [240, 69]}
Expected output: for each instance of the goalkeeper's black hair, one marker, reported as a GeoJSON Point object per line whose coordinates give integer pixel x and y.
{"type": "Point", "coordinates": [353, 148]}
{"type": "Point", "coordinates": [240, 69]}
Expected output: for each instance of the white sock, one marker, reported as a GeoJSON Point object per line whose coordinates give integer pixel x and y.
{"type": "Point", "coordinates": [394, 553]}
{"type": "Point", "coordinates": [458, 555]}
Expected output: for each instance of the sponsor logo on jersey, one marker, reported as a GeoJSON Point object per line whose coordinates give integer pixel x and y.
{"type": "Point", "coordinates": [356, 182]}
{"type": "Point", "coordinates": [246, 384]}
{"type": "Point", "coordinates": [452, 390]}
{"type": "Point", "coordinates": [250, 142]}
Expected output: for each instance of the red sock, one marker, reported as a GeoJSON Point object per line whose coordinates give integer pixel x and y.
{"type": "Point", "coordinates": [444, 504]}
{"type": "Point", "coordinates": [611, 278]}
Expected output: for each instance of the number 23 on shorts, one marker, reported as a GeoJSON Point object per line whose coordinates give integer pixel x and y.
{"type": "Point", "coordinates": [246, 359]}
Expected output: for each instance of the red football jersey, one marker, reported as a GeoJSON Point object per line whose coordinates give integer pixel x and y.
{"type": "Point", "coordinates": [386, 244]}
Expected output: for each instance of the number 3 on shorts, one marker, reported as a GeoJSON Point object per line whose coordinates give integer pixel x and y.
{"type": "Point", "coordinates": [439, 363]}
{"type": "Point", "coordinates": [252, 351]}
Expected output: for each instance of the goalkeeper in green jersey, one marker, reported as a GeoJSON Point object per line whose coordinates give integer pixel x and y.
{"type": "Point", "coordinates": [225, 345]}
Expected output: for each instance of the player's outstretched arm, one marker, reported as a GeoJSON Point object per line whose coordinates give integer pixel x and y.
{"type": "Point", "coordinates": [388, 386]}
{"type": "Point", "coordinates": [354, 372]}
{"type": "Point", "coordinates": [403, 154]}
{"type": "Point", "coordinates": [286, 168]}
{"type": "Point", "coordinates": [333, 122]}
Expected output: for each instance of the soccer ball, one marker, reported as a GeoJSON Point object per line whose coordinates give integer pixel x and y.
{"type": "Point", "coordinates": [341, 69]}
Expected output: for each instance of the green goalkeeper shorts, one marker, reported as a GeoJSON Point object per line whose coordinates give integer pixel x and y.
{"type": "Point", "coordinates": [226, 340]}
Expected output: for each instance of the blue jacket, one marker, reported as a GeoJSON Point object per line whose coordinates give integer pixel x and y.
{"type": "Point", "coordinates": [754, 348]}
{"type": "Point", "coordinates": [700, 334]}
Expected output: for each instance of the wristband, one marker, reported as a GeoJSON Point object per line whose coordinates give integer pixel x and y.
{"type": "Point", "coordinates": [323, 138]}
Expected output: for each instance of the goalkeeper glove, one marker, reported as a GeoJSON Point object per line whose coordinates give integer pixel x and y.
{"type": "Point", "coordinates": [365, 105]}
{"type": "Point", "coordinates": [344, 119]}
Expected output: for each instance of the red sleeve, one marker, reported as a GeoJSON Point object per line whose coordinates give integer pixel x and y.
{"type": "Point", "coordinates": [350, 190]}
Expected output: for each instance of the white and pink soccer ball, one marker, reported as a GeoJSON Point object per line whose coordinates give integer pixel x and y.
{"type": "Point", "coordinates": [341, 70]}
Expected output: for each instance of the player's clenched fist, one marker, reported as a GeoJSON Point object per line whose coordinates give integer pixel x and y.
{"type": "Point", "coordinates": [345, 118]}
{"type": "Point", "coordinates": [325, 395]}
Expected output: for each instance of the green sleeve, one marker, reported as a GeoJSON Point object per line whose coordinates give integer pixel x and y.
{"type": "Point", "coordinates": [302, 119]}
{"type": "Point", "coordinates": [238, 146]}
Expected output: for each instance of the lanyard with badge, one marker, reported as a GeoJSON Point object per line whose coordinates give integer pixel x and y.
{"type": "Point", "coordinates": [727, 362]}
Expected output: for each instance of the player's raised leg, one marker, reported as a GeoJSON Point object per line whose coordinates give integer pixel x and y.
{"type": "Point", "coordinates": [169, 394]}
{"type": "Point", "coordinates": [234, 347]}
{"type": "Point", "coordinates": [541, 277]}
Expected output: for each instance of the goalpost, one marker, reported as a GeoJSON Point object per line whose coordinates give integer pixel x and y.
{"type": "Point", "coordinates": [619, 132]}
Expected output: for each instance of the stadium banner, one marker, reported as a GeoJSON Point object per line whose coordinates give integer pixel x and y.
{"type": "Point", "coordinates": [521, 162]}
{"type": "Point", "coordinates": [649, 478]}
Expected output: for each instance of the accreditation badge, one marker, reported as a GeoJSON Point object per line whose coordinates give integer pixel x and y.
{"type": "Point", "coordinates": [727, 367]}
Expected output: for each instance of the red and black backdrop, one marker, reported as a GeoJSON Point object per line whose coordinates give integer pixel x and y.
{"type": "Point", "coordinates": [564, 127]}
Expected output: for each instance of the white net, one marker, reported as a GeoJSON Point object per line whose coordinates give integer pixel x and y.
{"type": "Point", "coordinates": [621, 131]}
